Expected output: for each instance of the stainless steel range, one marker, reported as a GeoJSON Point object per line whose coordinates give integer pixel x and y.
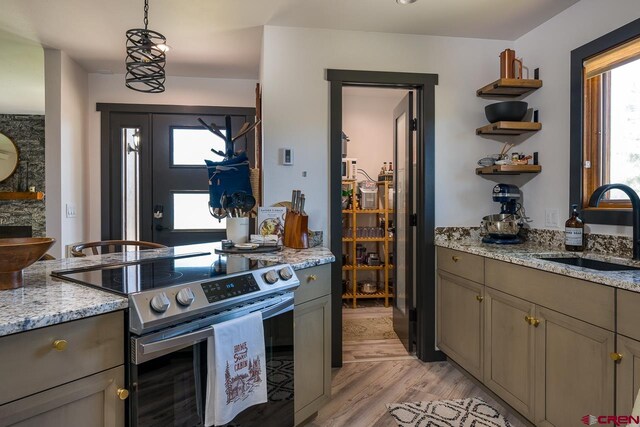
{"type": "Point", "coordinates": [173, 304]}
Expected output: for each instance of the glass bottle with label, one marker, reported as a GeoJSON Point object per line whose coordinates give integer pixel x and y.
{"type": "Point", "coordinates": [574, 231]}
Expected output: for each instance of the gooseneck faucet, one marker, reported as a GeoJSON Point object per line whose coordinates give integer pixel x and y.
{"type": "Point", "coordinates": [594, 200]}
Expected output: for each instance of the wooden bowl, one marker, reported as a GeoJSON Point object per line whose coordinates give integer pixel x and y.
{"type": "Point", "coordinates": [17, 254]}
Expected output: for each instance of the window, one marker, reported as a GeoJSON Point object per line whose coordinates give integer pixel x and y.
{"type": "Point", "coordinates": [605, 123]}
{"type": "Point", "coordinates": [189, 146]}
{"type": "Point", "coordinates": [611, 140]}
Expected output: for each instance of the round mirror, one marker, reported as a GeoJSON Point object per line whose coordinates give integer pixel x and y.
{"type": "Point", "coordinates": [8, 157]}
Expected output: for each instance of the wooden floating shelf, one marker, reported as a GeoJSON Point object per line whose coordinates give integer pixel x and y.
{"type": "Point", "coordinates": [21, 195]}
{"type": "Point", "coordinates": [510, 87]}
{"type": "Point", "coordinates": [509, 128]}
{"type": "Point", "coordinates": [508, 169]}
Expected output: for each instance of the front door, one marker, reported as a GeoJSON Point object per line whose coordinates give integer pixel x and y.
{"type": "Point", "coordinates": [156, 185]}
{"type": "Point", "coordinates": [403, 207]}
{"type": "Point", "coordinates": [180, 181]}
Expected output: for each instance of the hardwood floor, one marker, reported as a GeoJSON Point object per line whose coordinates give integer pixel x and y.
{"type": "Point", "coordinates": [360, 391]}
{"type": "Point", "coordinates": [377, 372]}
{"type": "Point", "coordinates": [371, 350]}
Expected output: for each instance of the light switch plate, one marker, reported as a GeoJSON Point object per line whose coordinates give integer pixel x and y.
{"type": "Point", "coordinates": [71, 210]}
{"type": "Point", "coordinates": [551, 218]}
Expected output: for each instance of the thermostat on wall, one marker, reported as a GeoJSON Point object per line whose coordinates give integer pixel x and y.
{"type": "Point", "coordinates": [286, 156]}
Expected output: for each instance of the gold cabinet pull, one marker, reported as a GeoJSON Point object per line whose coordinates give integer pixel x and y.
{"type": "Point", "coordinates": [60, 345]}
{"type": "Point", "coordinates": [616, 357]}
{"type": "Point", "coordinates": [532, 321]}
{"type": "Point", "coordinates": [479, 298]}
{"type": "Point", "coordinates": [122, 393]}
{"type": "Point", "coordinates": [455, 258]}
{"type": "Point", "coordinates": [312, 277]}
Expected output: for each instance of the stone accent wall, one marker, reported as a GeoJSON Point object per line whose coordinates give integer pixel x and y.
{"type": "Point", "coordinates": [27, 132]}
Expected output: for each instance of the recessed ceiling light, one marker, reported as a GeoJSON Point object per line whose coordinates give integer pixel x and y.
{"type": "Point", "coordinates": [405, 1]}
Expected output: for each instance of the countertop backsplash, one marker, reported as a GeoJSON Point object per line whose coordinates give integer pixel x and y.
{"type": "Point", "coordinates": [554, 239]}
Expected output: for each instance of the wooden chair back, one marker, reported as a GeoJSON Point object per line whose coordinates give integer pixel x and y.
{"type": "Point", "coordinates": [111, 246]}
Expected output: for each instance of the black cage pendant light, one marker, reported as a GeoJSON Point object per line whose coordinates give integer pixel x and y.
{"type": "Point", "coordinates": [146, 58]}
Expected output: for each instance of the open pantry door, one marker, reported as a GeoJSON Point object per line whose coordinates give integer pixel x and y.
{"type": "Point", "coordinates": [404, 221]}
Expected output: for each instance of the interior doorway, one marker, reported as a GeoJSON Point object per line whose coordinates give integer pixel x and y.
{"type": "Point", "coordinates": [418, 212]}
{"type": "Point", "coordinates": [374, 263]}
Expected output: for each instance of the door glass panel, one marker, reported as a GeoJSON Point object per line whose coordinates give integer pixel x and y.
{"type": "Point", "coordinates": [130, 138]}
{"type": "Point", "coordinates": [191, 212]}
{"type": "Point", "coordinates": [190, 147]}
{"type": "Point", "coordinates": [401, 180]}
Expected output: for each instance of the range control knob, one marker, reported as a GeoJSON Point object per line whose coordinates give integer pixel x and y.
{"type": "Point", "coordinates": [185, 297]}
{"type": "Point", "coordinates": [285, 273]}
{"type": "Point", "coordinates": [271, 277]}
{"type": "Point", "coordinates": [160, 303]}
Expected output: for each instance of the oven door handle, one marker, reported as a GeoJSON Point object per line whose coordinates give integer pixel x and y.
{"type": "Point", "coordinates": [176, 342]}
{"type": "Point", "coordinates": [281, 307]}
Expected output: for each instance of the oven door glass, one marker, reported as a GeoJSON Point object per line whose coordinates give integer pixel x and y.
{"type": "Point", "coordinates": [171, 390]}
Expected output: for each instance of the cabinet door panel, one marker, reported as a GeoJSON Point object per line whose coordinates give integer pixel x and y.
{"type": "Point", "coordinates": [628, 375]}
{"type": "Point", "coordinates": [574, 373]}
{"type": "Point", "coordinates": [508, 350]}
{"type": "Point", "coordinates": [460, 325]}
{"type": "Point", "coordinates": [88, 402]}
{"type": "Point", "coordinates": [312, 370]}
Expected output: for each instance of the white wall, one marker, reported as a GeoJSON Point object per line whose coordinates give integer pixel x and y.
{"type": "Point", "coordinates": [296, 110]}
{"type": "Point", "coordinates": [179, 91]}
{"type": "Point", "coordinates": [65, 136]}
{"type": "Point", "coordinates": [549, 47]}
{"type": "Point", "coordinates": [367, 119]}
{"type": "Point", "coordinates": [21, 75]}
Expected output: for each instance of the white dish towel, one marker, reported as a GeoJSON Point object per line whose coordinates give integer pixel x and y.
{"type": "Point", "coordinates": [237, 377]}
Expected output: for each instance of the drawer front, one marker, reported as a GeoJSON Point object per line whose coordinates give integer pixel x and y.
{"type": "Point", "coordinates": [628, 314]}
{"type": "Point", "coordinates": [315, 282]}
{"type": "Point", "coordinates": [461, 264]}
{"type": "Point", "coordinates": [583, 300]}
{"type": "Point", "coordinates": [31, 363]}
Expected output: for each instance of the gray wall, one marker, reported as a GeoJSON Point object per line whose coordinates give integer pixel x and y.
{"type": "Point", "coordinates": [27, 132]}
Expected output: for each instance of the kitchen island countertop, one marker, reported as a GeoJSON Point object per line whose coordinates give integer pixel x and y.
{"type": "Point", "coordinates": [529, 254]}
{"type": "Point", "coordinates": [45, 300]}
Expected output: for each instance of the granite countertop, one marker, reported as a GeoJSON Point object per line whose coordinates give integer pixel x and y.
{"type": "Point", "coordinates": [45, 300]}
{"type": "Point", "coordinates": [528, 254]}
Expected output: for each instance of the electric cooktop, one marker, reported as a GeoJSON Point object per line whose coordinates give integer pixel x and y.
{"type": "Point", "coordinates": [148, 274]}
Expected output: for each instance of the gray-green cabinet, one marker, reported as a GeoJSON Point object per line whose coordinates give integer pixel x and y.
{"type": "Point", "coordinates": [460, 318]}
{"type": "Point", "coordinates": [312, 341]}
{"type": "Point", "coordinates": [69, 374]}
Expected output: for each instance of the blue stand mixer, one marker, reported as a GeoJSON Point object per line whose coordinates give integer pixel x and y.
{"type": "Point", "coordinates": [504, 228]}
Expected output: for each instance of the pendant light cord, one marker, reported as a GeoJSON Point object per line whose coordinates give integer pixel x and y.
{"type": "Point", "coordinates": [146, 13]}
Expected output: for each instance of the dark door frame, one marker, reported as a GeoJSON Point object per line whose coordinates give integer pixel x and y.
{"type": "Point", "coordinates": [424, 84]}
{"type": "Point", "coordinates": [110, 192]}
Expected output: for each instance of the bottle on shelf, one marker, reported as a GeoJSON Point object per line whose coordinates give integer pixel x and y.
{"type": "Point", "coordinates": [390, 167]}
{"type": "Point", "coordinates": [574, 231]}
{"type": "Point", "coordinates": [384, 168]}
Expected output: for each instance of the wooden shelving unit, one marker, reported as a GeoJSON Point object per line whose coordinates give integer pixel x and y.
{"type": "Point", "coordinates": [384, 245]}
{"type": "Point", "coordinates": [21, 195]}
{"type": "Point", "coordinates": [510, 87]}
{"type": "Point", "coordinates": [508, 169]}
{"type": "Point", "coordinates": [508, 128]}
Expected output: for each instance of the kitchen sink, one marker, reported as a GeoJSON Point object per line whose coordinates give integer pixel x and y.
{"type": "Point", "coordinates": [591, 263]}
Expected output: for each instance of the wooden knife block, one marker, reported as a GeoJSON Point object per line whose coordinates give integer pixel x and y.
{"type": "Point", "coordinates": [296, 231]}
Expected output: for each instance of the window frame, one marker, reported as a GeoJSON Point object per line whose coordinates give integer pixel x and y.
{"type": "Point", "coordinates": [611, 212]}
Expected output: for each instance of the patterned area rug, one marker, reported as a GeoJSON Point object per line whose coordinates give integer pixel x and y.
{"type": "Point", "coordinates": [472, 412]}
{"type": "Point", "coordinates": [374, 328]}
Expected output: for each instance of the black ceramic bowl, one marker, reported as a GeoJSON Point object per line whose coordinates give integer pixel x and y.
{"type": "Point", "coordinates": [508, 111]}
